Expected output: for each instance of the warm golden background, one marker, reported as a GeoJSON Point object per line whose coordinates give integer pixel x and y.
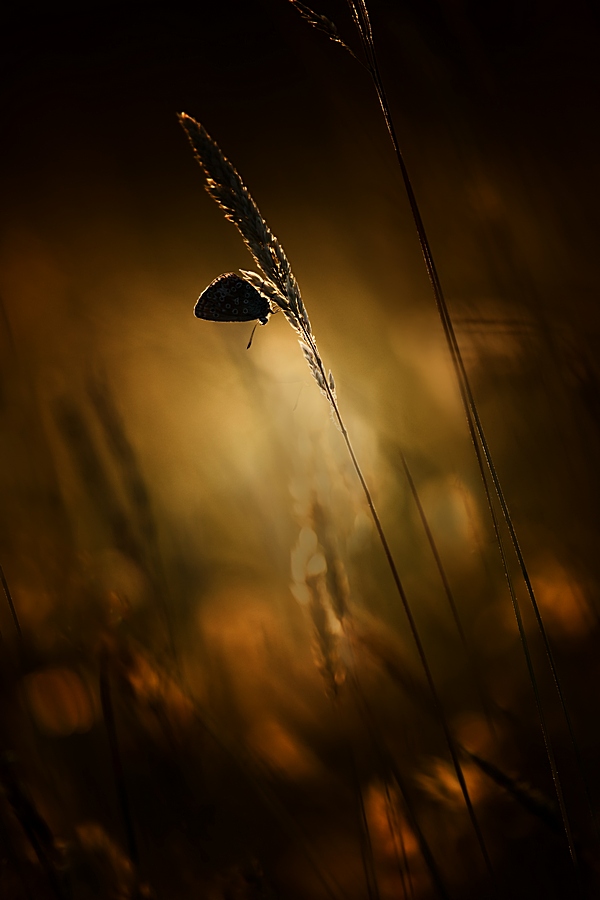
{"type": "Point", "coordinates": [169, 499]}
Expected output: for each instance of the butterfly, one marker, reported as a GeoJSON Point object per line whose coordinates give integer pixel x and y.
{"type": "Point", "coordinates": [231, 299]}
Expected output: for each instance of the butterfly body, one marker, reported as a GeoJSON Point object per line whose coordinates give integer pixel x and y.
{"type": "Point", "coordinates": [231, 299]}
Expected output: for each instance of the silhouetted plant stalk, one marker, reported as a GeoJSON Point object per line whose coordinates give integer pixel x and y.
{"type": "Point", "coordinates": [360, 16]}
{"type": "Point", "coordinates": [281, 288]}
{"type": "Point", "coordinates": [108, 714]}
{"type": "Point", "coordinates": [35, 828]}
{"type": "Point", "coordinates": [11, 604]}
{"type": "Point", "coordinates": [321, 586]}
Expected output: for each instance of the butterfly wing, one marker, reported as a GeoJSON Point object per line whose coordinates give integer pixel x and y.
{"type": "Point", "coordinates": [231, 299]}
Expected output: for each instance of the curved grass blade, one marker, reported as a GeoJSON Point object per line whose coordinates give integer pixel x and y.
{"type": "Point", "coordinates": [322, 24]}
{"type": "Point", "coordinates": [360, 16]}
{"type": "Point", "coordinates": [228, 190]}
{"type": "Point", "coordinates": [11, 603]}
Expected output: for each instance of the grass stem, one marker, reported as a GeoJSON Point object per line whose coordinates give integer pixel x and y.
{"type": "Point", "coordinates": [226, 187]}
{"type": "Point", "coordinates": [360, 16]}
{"type": "Point", "coordinates": [11, 604]}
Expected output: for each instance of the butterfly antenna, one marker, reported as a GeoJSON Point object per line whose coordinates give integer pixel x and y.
{"type": "Point", "coordinates": [251, 336]}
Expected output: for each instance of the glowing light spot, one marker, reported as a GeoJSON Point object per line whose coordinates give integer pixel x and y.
{"type": "Point", "coordinates": [59, 701]}
{"type": "Point", "coordinates": [316, 565]}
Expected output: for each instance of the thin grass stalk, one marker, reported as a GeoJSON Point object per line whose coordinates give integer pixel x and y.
{"type": "Point", "coordinates": [478, 440]}
{"type": "Point", "coordinates": [434, 550]}
{"type": "Point", "coordinates": [388, 764]}
{"type": "Point", "coordinates": [467, 397]}
{"type": "Point", "coordinates": [458, 362]}
{"type": "Point", "coordinates": [424, 847]}
{"type": "Point", "coordinates": [139, 497]}
{"type": "Point", "coordinates": [367, 849]}
{"type": "Point", "coordinates": [531, 594]}
{"type": "Point", "coordinates": [397, 838]}
{"type": "Point", "coordinates": [366, 846]}
{"type": "Point", "coordinates": [529, 799]}
{"type": "Point", "coordinates": [35, 828]}
{"type": "Point", "coordinates": [11, 604]}
{"type": "Point", "coordinates": [340, 605]}
{"type": "Point", "coordinates": [122, 450]}
{"type": "Point", "coordinates": [15, 861]}
{"type": "Point", "coordinates": [423, 844]}
{"type": "Point", "coordinates": [247, 765]}
{"type": "Point", "coordinates": [361, 20]}
{"type": "Point", "coordinates": [529, 662]}
{"type": "Point", "coordinates": [272, 803]}
{"type": "Point", "coordinates": [115, 757]}
{"type": "Point", "coordinates": [413, 629]}
{"type": "Point", "coordinates": [228, 190]}
{"type": "Point", "coordinates": [321, 603]}
{"type": "Point", "coordinates": [447, 590]}
{"type": "Point", "coordinates": [269, 800]}
{"type": "Point", "coordinates": [330, 393]}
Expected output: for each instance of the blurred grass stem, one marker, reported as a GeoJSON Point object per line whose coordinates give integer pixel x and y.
{"type": "Point", "coordinates": [360, 16]}
{"type": "Point", "coordinates": [115, 755]}
{"type": "Point", "coordinates": [11, 604]}
{"type": "Point", "coordinates": [225, 186]}
{"type": "Point", "coordinates": [361, 19]}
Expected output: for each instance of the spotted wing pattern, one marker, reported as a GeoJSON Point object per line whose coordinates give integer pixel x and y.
{"type": "Point", "coordinates": [231, 299]}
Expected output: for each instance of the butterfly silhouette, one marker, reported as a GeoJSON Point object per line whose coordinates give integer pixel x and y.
{"type": "Point", "coordinates": [231, 299]}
